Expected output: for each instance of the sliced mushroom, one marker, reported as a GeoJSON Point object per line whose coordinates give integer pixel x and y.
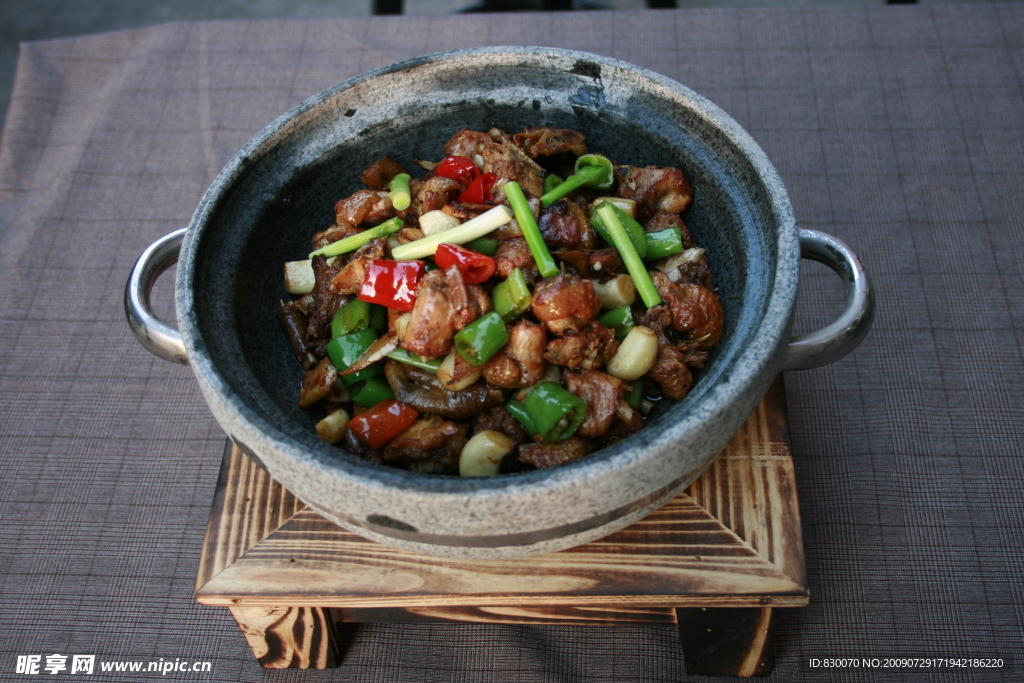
{"type": "Point", "coordinates": [424, 392]}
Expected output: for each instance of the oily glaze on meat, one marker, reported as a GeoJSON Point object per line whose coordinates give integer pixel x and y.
{"type": "Point", "coordinates": [565, 303]}
{"type": "Point", "coordinates": [521, 362]}
{"type": "Point", "coordinates": [558, 335]}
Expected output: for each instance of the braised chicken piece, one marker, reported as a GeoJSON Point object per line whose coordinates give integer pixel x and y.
{"type": "Point", "coordinates": [565, 303]}
{"type": "Point", "coordinates": [369, 207]}
{"type": "Point", "coordinates": [511, 254]}
{"type": "Point", "coordinates": [431, 328]}
{"type": "Point", "coordinates": [605, 263]}
{"type": "Point", "coordinates": [495, 153]}
{"type": "Point", "coordinates": [695, 310]}
{"type": "Point", "coordinates": [468, 302]}
{"type": "Point", "coordinates": [350, 278]}
{"type": "Point", "coordinates": [590, 348]}
{"type": "Point", "coordinates": [663, 220]}
{"type": "Point", "coordinates": [543, 141]}
{"type": "Point", "coordinates": [602, 394]}
{"type": "Point", "coordinates": [500, 420]}
{"type": "Point", "coordinates": [688, 267]}
{"type": "Point", "coordinates": [430, 444]}
{"type": "Point", "coordinates": [325, 301]}
{"type": "Point", "coordinates": [521, 362]}
{"type": "Point", "coordinates": [381, 172]}
{"type": "Point", "coordinates": [550, 454]}
{"type": "Point", "coordinates": [317, 383]}
{"type": "Point", "coordinates": [333, 234]}
{"type": "Point", "coordinates": [628, 421]}
{"type": "Point", "coordinates": [435, 193]}
{"type": "Point", "coordinates": [671, 373]}
{"type": "Point", "coordinates": [654, 189]}
{"type": "Point", "coordinates": [564, 224]}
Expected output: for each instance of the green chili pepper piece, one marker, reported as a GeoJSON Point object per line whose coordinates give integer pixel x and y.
{"type": "Point", "coordinates": [635, 231]}
{"type": "Point", "coordinates": [519, 412]}
{"type": "Point", "coordinates": [352, 317]}
{"type": "Point", "coordinates": [551, 181]}
{"type": "Point", "coordinates": [345, 350]}
{"type": "Point", "coordinates": [353, 242]}
{"type": "Point", "coordinates": [637, 270]}
{"type": "Point", "coordinates": [592, 170]}
{"type": "Point", "coordinates": [484, 245]}
{"type": "Point", "coordinates": [619, 319]}
{"type": "Point", "coordinates": [379, 318]}
{"type": "Point", "coordinates": [636, 395]}
{"type": "Point", "coordinates": [663, 243]}
{"type": "Point", "coordinates": [556, 412]}
{"type": "Point", "coordinates": [400, 195]}
{"type": "Point", "coordinates": [372, 392]}
{"type": "Point", "coordinates": [403, 356]}
{"type": "Point", "coordinates": [481, 339]}
{"type": "Point", "coordinates": [511, 297]}
{"type": "Point", "coordinates": [528, 224]}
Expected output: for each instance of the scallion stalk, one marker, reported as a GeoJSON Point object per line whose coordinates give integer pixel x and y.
{"type": "Point", "coordinates": [353, 242]}
{"type": "Point", "coordinates": [400, 195]}
{"type": "Point", "coordinates": [637, 270]}
{"type": "Point", "coordinates": [467, 232]}
{"type": "Point", "coordinates": [524, 216]}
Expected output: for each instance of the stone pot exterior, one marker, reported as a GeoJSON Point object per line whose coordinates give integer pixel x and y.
{"type": "Point", "coordinates": [279, 189]}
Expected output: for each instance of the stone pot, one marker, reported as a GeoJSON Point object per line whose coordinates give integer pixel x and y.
{"type": "Point", "coordinates": [280, 188]}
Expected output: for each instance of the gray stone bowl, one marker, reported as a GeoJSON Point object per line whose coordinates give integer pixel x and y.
{"type": "Point", "coordinates": [281, 187]}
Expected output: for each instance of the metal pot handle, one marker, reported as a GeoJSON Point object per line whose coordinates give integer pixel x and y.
{"type": "Point", "coordinates": [157, 336]}
{"type": "Point", "coordinates": [834, 341]}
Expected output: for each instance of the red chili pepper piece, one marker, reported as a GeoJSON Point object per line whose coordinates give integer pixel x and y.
{"type": "Point", "coordinates": [383, 422]}
{"type": "Point", "coordinates": [392, 283]}
{"type": "Point", "coordinates": [461, 169]}
{"type": "Point", "coordinates": [479, 192]}
{"type": "Point", "coordinates": [474, 266]}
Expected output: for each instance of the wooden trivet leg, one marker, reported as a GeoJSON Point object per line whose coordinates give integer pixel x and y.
{"type": "Point", "coordinates": [726, 641]}
{"type": "Point", "coordinates": [290, 637]}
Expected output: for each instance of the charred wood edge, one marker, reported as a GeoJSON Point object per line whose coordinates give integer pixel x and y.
{"type": "Point", "coordinates": [727, 642]}
{"type": "Point", "coordinates": [248, 506]}
{"type": "Point", "coordinates": [291, 637]}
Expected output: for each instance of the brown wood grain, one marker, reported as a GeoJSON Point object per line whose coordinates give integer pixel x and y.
{"type": "Point", "coordinates": [731, 540]}
{"type": "Point", "coordinates": [289, 637]}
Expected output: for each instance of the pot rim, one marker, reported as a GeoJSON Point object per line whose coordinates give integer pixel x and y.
{"type": "Point", "coordinates": [713, 397]}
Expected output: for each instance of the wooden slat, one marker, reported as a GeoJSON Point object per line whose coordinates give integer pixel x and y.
{"type": "Point", "coordinates": [731, 540]}
{"type": "Point", "coordinates": [567, 615]}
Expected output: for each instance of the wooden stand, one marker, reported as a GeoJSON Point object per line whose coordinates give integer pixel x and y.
{"type": "Point", "coordinates": [714, 562]}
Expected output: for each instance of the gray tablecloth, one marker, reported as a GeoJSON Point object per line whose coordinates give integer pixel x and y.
{"type": "Point", "coordinates": [900, 130]}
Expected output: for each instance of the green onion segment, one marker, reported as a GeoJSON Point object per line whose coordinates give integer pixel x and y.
{"type": "Point", "coordinates": [353, 242]}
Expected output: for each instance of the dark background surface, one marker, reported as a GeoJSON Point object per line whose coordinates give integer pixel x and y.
{"type": "Point", "coordinates": [899, 130]}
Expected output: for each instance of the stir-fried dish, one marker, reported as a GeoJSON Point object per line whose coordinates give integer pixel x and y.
{"type": "Point", "coordinates": [521, 304]}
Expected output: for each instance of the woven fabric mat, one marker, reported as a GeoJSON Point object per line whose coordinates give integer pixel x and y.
{"type": "Point", "coordinates": [899, 130]}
